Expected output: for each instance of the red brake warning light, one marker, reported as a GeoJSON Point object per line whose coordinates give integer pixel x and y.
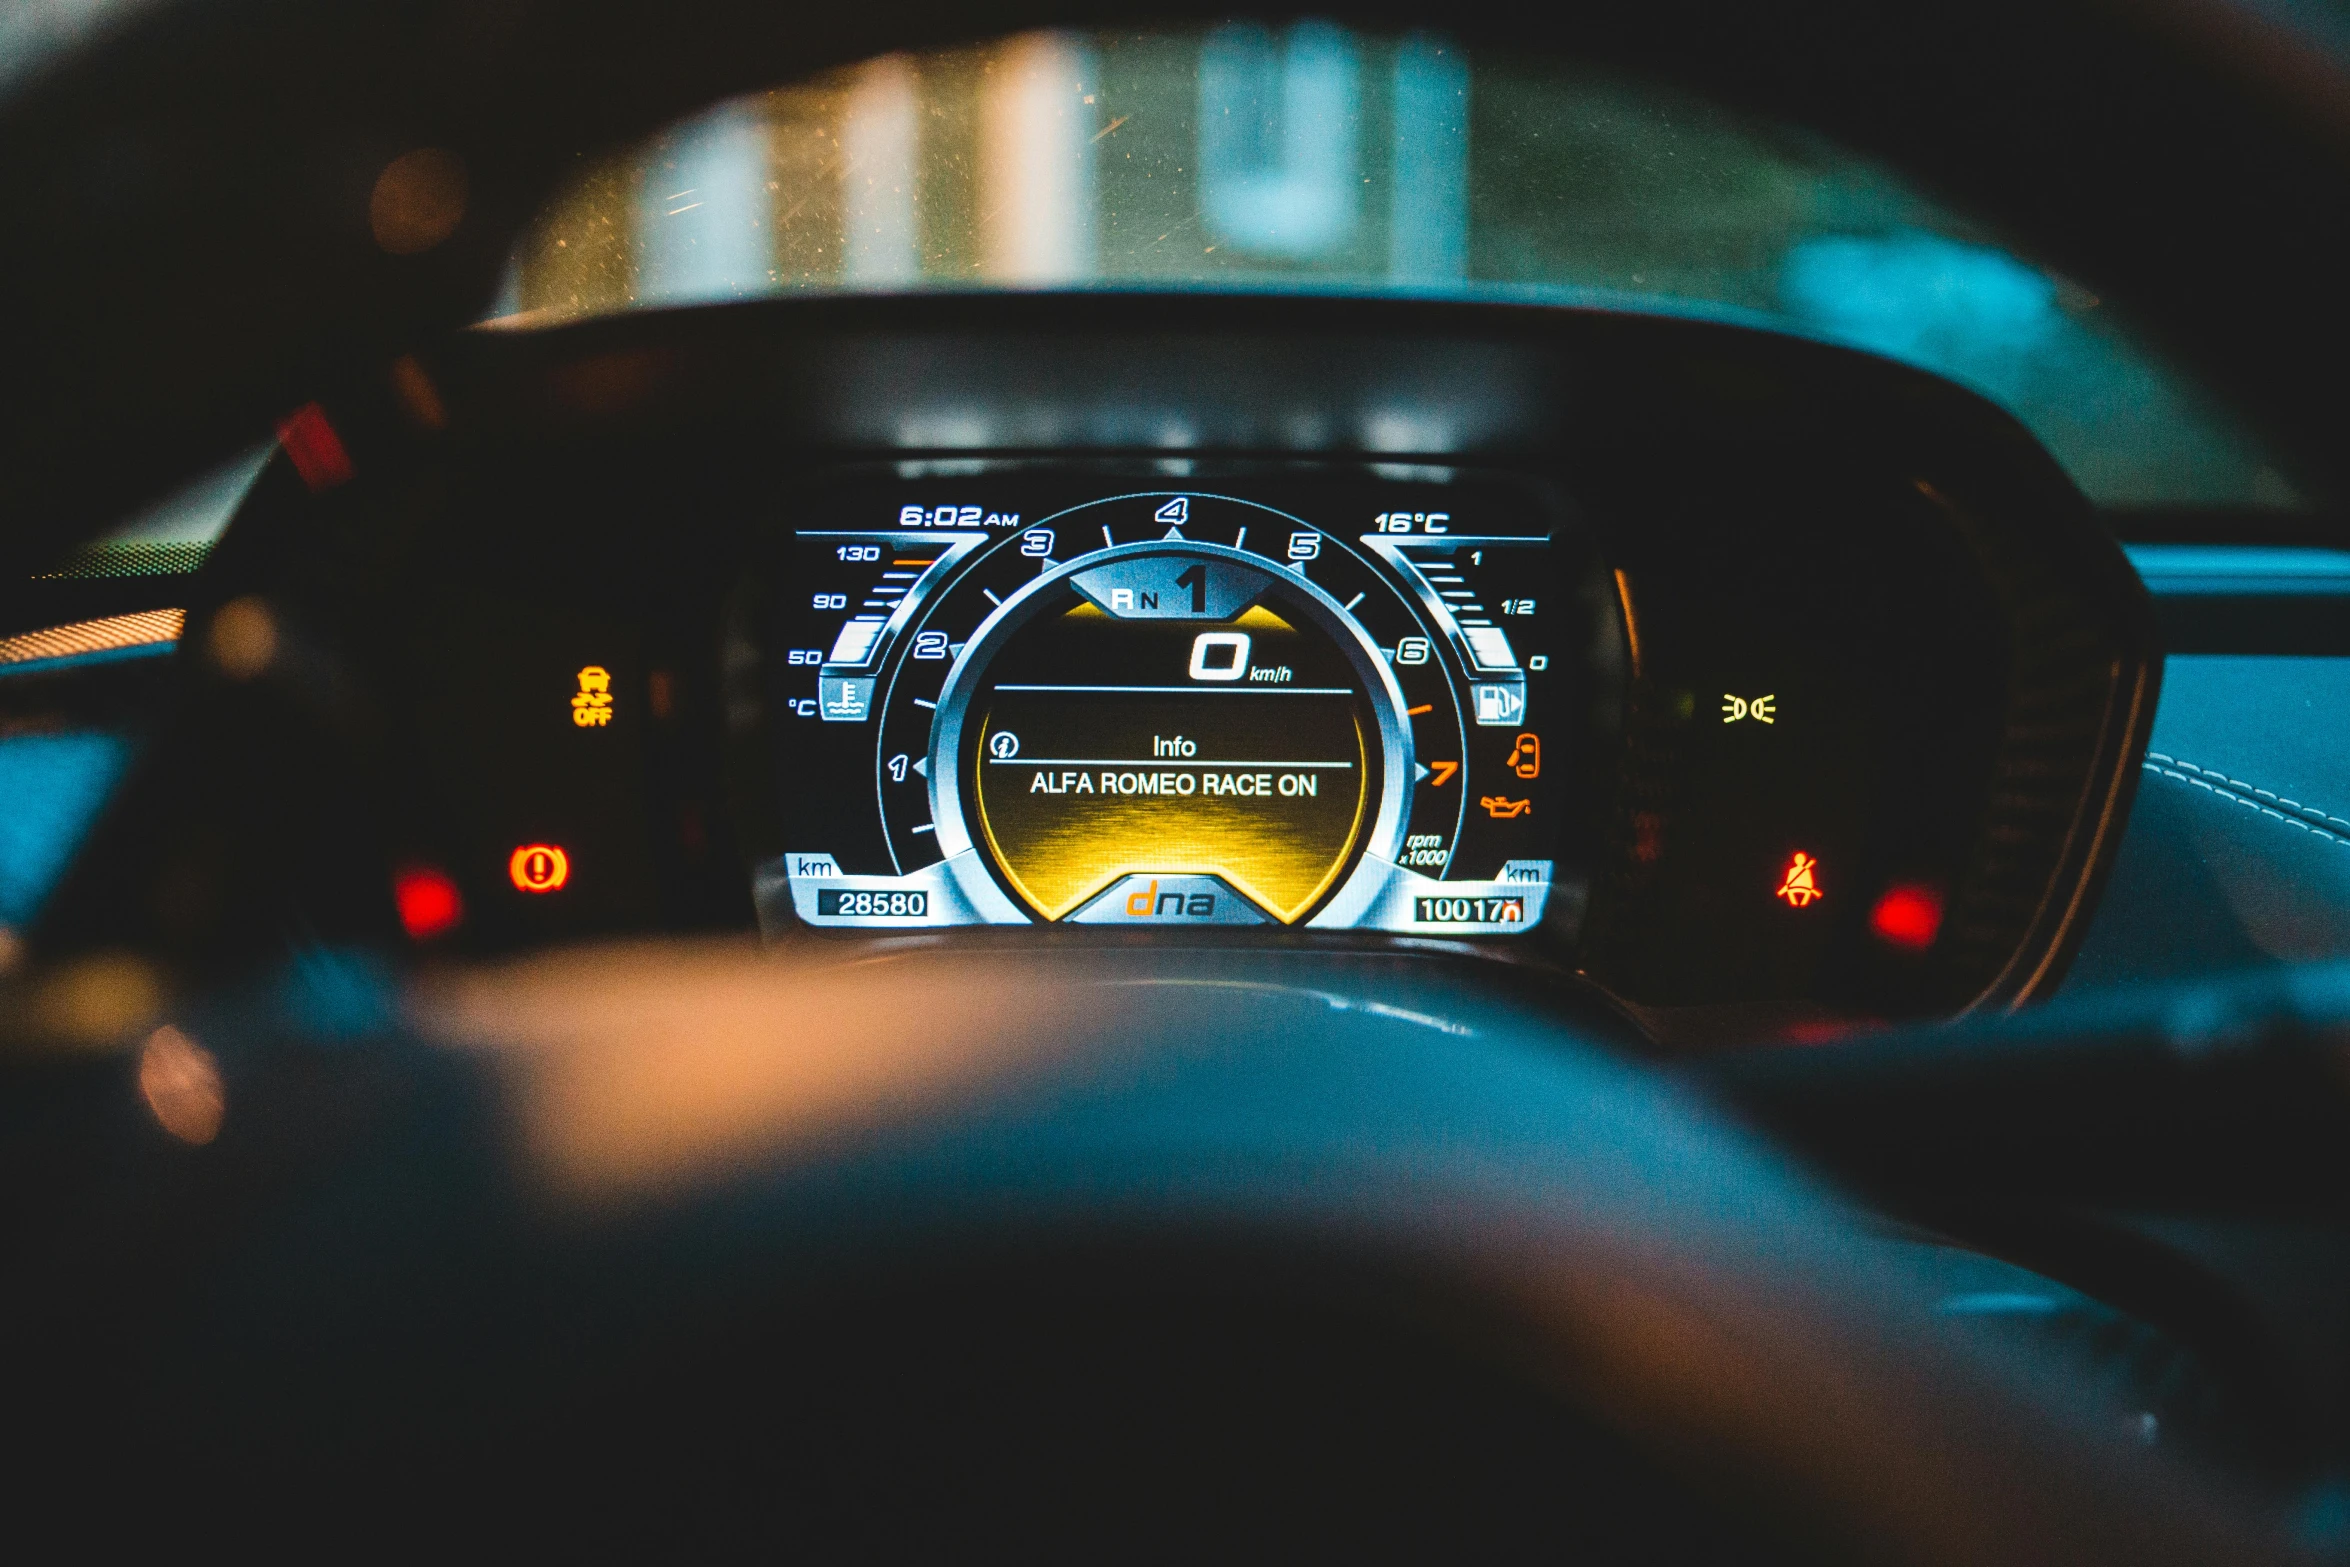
{"type": "Point", "coordinates": [539, 867]}
{"type": "Point", "coordinates": [428, 901]}
{"type": "Point", "coordinates": [1909, 915]}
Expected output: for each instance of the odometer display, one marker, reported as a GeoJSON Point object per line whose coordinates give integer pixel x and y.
{"type": "Point", "coordinates": [844, 903]}
{"type": "Point", "coordinates": [1469, 911]}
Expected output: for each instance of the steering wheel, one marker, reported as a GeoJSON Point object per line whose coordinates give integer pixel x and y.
{"type": "Point", "coordinates": [1125, 1251]}
{"type": "Point", "coordinates": [1139, 1251]}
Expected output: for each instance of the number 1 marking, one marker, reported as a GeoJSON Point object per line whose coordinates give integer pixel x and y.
{"type": "Point", "coordinates": [1196, 579]}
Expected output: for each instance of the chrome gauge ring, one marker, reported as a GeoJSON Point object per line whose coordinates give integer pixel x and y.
{"type": "Point", "coordinates": [1170, 729]}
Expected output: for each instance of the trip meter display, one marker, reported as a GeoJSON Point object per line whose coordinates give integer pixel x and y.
{"type": "Point", "coordinates": [1304, 699]}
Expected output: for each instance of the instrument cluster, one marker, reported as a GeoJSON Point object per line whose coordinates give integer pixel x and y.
{"type": "Point", "coordinates": [1760, 684]}
{"type": "Point", "coordinates": [1015, 694]}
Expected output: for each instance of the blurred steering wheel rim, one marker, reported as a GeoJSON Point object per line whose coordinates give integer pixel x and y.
{"type": "Point", "coordinates": [555, 1241]}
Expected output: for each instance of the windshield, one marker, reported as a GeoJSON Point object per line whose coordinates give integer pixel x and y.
{"type": "Point", "coordinates": [1314, 157]}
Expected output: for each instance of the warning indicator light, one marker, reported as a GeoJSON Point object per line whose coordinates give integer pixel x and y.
{"type": "Point", "coordinates": [428, 901]}
{"type": "Point", "coordinates": [314, 448]}
{"type": "Point", "coordinates": [1909, 915]}
{"type": "Point", "coordinates": [591, 705]}
{"type": "Point", "coordinates": [539, 867]}
{"type": "Point", "coordinates": [1800, 886]}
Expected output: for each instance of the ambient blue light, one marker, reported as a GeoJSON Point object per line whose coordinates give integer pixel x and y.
{"type": "Point", "coordinates": [1921, 298]}
{"type": "Point", "coordinates": [51, 788]}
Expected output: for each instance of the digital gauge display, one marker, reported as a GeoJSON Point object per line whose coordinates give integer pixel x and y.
{"type": "Point", "coordinates": [1295, 699]}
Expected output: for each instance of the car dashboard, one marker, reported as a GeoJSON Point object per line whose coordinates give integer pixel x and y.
{"type": "Point", "coordinates": [1696, 686]}
{"type": "Point", "coordinates": [1767, 686]}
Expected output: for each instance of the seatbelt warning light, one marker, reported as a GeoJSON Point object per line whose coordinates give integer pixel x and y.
{"type": "Point", "coordinates": [1800, 886]}
{"type": "Point", "coordinates": [539, 867]}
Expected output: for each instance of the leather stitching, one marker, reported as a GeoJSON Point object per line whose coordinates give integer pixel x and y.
{"type": "Point", "coordinates": [2308, 818]}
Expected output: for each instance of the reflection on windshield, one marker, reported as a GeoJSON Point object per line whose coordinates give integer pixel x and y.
{"type": "Point", "coordinates": [1313, 157]}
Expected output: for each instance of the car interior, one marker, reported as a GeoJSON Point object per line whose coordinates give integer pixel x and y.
{"type": "Point", "coordinates": [1728, 939]}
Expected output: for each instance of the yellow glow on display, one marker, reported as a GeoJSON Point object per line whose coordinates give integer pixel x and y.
{"type": "Point", "coordinates": [1265, 786]}
{"type": "Point", "coordinates": [1279, 834]}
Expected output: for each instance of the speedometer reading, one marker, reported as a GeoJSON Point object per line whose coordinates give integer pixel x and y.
{"type": "Point", "coordinates": [1129, 727]}
{"type": "Point", "coordinates": [1173, 707]}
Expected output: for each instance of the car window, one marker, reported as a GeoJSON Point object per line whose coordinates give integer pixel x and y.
{"type": "Point", "coordinates": [1313, 157]}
